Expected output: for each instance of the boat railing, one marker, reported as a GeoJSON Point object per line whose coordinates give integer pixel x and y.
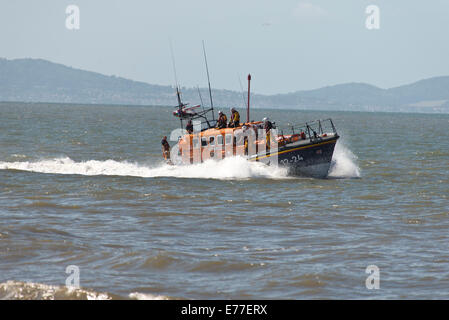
{"type": "Point", "coordinates": [207, 124]}
{"type": "Point", "coordinates": [313, 130]}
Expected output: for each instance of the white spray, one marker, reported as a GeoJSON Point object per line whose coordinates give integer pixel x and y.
{"type": "Point", "coordinates": [228, 168]}
{"type": "Point", "coordinates": [343, 166]}
{"type": "Point", "coordinates": [344, 163]}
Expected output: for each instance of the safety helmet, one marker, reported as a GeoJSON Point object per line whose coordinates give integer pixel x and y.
{"type": "Point", "coordinates": [220, 112]}
{"type": "Point", "coordinates": [265, 119]}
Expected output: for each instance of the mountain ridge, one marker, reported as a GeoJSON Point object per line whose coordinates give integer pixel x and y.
{"type": "Point", "coordinates": [39, 80]}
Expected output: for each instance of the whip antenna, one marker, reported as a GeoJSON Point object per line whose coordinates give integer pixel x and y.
{"type": "Point", "coordinates": [241, 90]}
{"type": "Point", "coordinates": [201, 98]}
{"type": "Point", "coordinates": [178, 94]}
{"type": "Point", "coordinates": [173, 63]}
{"type": "Point", "coordinates": [208, 81]}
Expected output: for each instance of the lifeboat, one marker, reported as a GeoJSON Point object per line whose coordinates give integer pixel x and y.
{"type": "Point", "coordinates": [305, 150]}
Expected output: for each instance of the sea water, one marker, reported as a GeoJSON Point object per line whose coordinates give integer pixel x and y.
{"type": "Point", "coordinates": [85, 186]}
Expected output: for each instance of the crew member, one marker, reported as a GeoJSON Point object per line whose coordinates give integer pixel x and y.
{"type": "Point", "coordinates": [235, 119]}
{"type": "Point", "coordinates": [245, 140]}
{"type": "Point", "coordinates": [267, 126]}
{"type": "Point", "coordinates": [165, 148]}
{"type": "Point", "coordinates": [189, 127]}
{"type": "Point", "coordinates": [222, 120]}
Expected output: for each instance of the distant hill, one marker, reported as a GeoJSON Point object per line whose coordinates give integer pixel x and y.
{"type": "Point", "coordinates": [36, 80]}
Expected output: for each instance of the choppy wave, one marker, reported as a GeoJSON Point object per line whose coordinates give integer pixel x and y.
{"type": "Point", "coordinates": [343, 166]}
{"type": "Point", "coordinates": [19, 290]}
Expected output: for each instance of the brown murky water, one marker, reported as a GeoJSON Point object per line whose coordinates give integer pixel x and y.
{"type": "Point", "coordinates": [85, 186]}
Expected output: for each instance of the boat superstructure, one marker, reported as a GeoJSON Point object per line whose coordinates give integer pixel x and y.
{"type": "Point", "coordinates": [306, 149]}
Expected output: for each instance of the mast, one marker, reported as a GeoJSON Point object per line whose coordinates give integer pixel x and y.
{"type": "Point", "coordinates": [247, 108]}
{"type": "Point", "coordinates": [208, 81]}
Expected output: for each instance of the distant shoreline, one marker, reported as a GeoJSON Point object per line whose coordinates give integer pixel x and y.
{"type": "Point", "coordinates": [257, 108]}
{"type": "Point", "coordinates": [37, 80]}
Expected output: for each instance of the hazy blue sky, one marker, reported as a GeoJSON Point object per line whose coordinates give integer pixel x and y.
{"type": "Point", "coordinates": [287, 45]}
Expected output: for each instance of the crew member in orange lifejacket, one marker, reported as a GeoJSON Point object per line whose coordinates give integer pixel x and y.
{"type": "Point", "coordinates": [222, 120]}
{"type": "Point", "coordinates": [235, 119]}
{"type": "Point", "coordinates": [189, 127]}
{"type": "Point", "coordinates": [165, 148]}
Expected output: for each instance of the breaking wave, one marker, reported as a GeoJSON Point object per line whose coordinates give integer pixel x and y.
{"type": "Point", "coordinates": [20, 290]}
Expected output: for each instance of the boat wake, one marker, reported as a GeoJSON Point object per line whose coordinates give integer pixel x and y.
{"type": "Point", "coordinates": [343, 166]}
{"type": "Point", "coordinates": [229, 168]}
